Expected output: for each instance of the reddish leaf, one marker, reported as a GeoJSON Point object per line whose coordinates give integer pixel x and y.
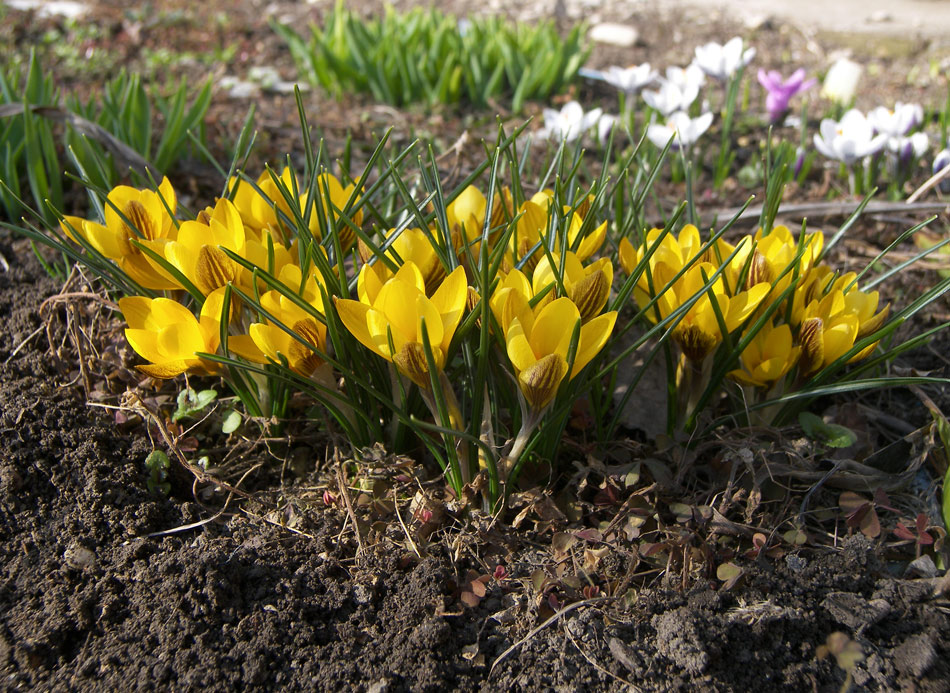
{"type": "Point", "coordinates": [470, 600]}
{"type": "Point", "coordinates": [592, 535]}
{"type": "Point", "coordinates": [882, 501]}
{"type": "Point", "coordinates": [901, 532]}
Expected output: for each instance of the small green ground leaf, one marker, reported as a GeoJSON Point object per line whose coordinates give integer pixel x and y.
{"type": "Point", "coordinates": [157, 464]}
{"type": "Point", "coordinates": [191, 402]}
{"type": "Point", "coordinates": [729, 574]}
{"type": "Point", "coordinates": [232, 419]}
{"type": "Point", "coordinates": [832, 435]}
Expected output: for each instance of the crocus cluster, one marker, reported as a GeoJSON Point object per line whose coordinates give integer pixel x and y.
{"type": "Point", "coordinates": [898, 125]}
{"type": "Point", "coordinates": [195, 257]}
{"type": "Point", "coordinates": [822, 314]}
{"type": "Point", "coordinates": [407, 300]}
{"type": "Point", "coordinates": [672, 100]}
{"type": "Point", "coordinates": [857, 136]}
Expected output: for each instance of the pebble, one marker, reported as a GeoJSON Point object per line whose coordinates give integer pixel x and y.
{"type": "Point", "coordinates": [621, 35]}
{"type": "Point", "coordinates": [239, 89]}
{"type": "Point", "coordinates": [853, 611]}
{"type": "Point", "coordinates": [70, 10]}
{"type": "Point", "coordinates": [79, 557]}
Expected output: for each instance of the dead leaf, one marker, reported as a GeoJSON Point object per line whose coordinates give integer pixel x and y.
{"type": "Point", "coordinates": [562, 542]}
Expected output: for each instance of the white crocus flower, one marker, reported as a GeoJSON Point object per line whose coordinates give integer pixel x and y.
{"type": "Point", "coordinates": [848, 140]}
{"type": "Point", "coordinates": [941, 160]}
{"type": "Point", "coordinates": [671, 97]}
{"type": "Point", "coordinates": [569, 123]}
{"type": "Point", "coordinates": [686, 77]}
{"type": "Point", "coordinates": [841, 81]}
{"type": "Point", "coordinates": [898, 122]}
{"type": "Point", "coordinates": [684, 129]}
{"type": "Point", "coordinates": [630, 79]}
{"type": "Point", "coordinates": [722, 62]}
{"type": "Point", "coordinates": [915, 146]}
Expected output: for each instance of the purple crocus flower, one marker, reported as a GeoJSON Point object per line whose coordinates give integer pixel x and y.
{"type": "Point", "coordinates": [780, 90]}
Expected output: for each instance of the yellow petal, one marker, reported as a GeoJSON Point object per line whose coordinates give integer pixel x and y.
{"type": "Point", "coordinates": [592, 243]}
{"type": "Point", "coordinates": [214, 269]}
{"type": "Point", "coordinates": [167, 193]}
{"type": "Point", "coordinates": [166, 370]}
{"type": "Point", "coordinates": [104, 239]}
{"type": "Point", "coordinates": [181, 340]}
{"type": "Point", "coordinates": [590, 294]}
{"type": "Point", "coordinates": [449, 300]}
{"type": "Point", "coordinates": [397, 301]}
{"type": "Point", "coordinates": [519, 349]}
{"type": "Point", "coordinates": [144, 343]}
{"type": "Point", "coordinates": [551, 333]}
{"type": "Point", "coordinates": [628, 256]}
{"type": "Point", "coordinates": [811, 336]}
{"type": "Point", "coordinates": [381, 331]}
{"type": "Point", "coordinates": [353, 314]}
{"type": "Point", "coordinates": [246, 347]}
{"type": "Point", "coordinates": [369, 282]}
{"type": "Point", "coordinates": [594, 336]}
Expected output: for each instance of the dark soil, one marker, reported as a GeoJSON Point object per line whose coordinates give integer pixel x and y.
{"type": "Point", "coordinates": [90, 601]}
{"type": "Point", "coordinates": [105, 585]}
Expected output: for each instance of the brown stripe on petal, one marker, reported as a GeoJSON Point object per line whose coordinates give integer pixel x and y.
{"type": "Point", "coordinates": [583, 208]}
{"type": "Point", "coordinates": [539, 382]}
{"type": "Point", "coordinates": [214, 269]}
{"type": "Point", "coordinates": [411, 361]}
{"type": "Point", "coordinates": [502, 209]}
{"type": "Point", "coordinates": [811, 337]}
{"type": "Point", "coordinates": [346, 234]}
{"type": "Point", "coordinates": [203, 217]}
{"type": "Point", "coordinates": [590, 294]}
{"type": "Point", "coordinates": [435, 275]}
{"type": "Point", "coordinates": [695, 343]}
{"type": "Point", "coordinates": [758, 271]}
{"type": "Point", "coordinates": [365, 252]}
{"type": "Point", "coordinates": [302, 358]}
{"type": "Point", "coordinates": [471, 301]}
{"type": "Point", "coordinates": [138, 216]}
{"type": "Point", "coordinates": [524, 247]}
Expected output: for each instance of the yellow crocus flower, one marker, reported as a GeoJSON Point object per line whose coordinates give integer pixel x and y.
{"type": "Point", "coordinates": [698, 332]}
{"type": "Point", "coordinates": [400, 313]}
{"type": "Point", "coordinates": [168, 335]}
{"type": "Point", "coordinates": [588, 287]}
{"type": "Point", "coordinates": [327, 184]}
{"type": "Point", "coordinates": [538, 341]}
{"type": "Point", "coordinates": [534, 223]}
{"type": "Point", "coordinates": [266, 342]}
{"type": "Point", "coordinates": [151, 224]}
{"type": "Point", "coordinates": [832, 323]}
{"type": "Point", "coordinates": [259, 210]}
{"type": "Point", "coordinates": [768, 357]}
{"type": "Point", "coordinates": [511, 296]}
{"type": "Point", "coordinates": [411, 245]}
{"type": "Point", "coordinates": [198, 254]}
{"type": "Point", "coordinates": [466, 215]}
{"type": "Point", "coordinates": [268, 253]}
